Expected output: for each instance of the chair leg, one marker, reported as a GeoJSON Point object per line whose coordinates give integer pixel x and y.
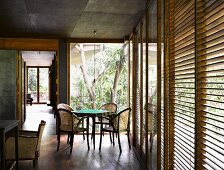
{"type": "Point", "coordinates": [68, 138]}
{"type": "Point", "coordinates": [113, 138]}
{"type": "Point", "coordinates": [35, 162]}
{"type": "Point", "coordinates": [71, 142]}
{"type": "Point", "coordinates": [110, 138]}
{"type": "Point", "coordinates": [87, 132]}
{"type": "Point", "coordinates": [151, 142]}
{"type": "Point", "coordinates": [129, 139]}
{"type": "Point", "coordinates": [92, 134]}
{"type": "Point", "coordinates": [87, 136]}
{"type": "Point", "coordinates": [58, 137]}
{"type": "Point", "coordinates": [119, 142]}
{"type": "Point", "coordinates": [101, 134]}
{"type": "Point", "coordinates": [83, 134]}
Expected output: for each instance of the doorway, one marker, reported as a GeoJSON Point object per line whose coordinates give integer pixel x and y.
{"type": "Point", "coordinates": [38, 84]}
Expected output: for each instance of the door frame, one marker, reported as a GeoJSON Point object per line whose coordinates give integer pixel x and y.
{"type": "Point", "coordinates": [38, 83]}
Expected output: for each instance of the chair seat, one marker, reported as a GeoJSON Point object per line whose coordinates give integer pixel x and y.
{"type": "Point", "coordinates": [81, 130]}
{"type": "Point", "coordinates": [108, 129]}
{"type": "Point", "coordinates": [104, 121]}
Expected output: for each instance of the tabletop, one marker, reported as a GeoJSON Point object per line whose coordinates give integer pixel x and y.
{"type": "Point", "coordinates": [7, 125]}
{"type": "Point", "coordinates": [91, 112]}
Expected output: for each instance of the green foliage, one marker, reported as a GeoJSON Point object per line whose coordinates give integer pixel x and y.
{"type": "Point", "coordinates": [105, 65]}
{"type": "Point", "coordinates": [32, 79]}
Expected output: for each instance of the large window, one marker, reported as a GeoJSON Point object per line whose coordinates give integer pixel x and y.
{"type": "Point", "coordinates": [98, 75]}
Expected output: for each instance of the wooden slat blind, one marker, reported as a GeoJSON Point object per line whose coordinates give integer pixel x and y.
{"type": "Point", "coordinates": [195, 41]}
{"type": "Point", "coordinates": [210, 54]}
{"type": "Point", "coordinates": [193, 109]}
{"type": "Point", "coordinates": [182, 84]}
{"type": "Point", "coordinates": [136, 87]}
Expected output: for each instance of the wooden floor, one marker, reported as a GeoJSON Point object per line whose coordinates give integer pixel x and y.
{"type": "Point", "coordinates": [81, 159]}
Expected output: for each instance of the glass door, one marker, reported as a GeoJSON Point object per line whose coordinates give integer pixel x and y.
{"type": "Point", "coordinates": [32, 83]}
{"type": "Point", "coordinates": [38, 84]}
{"type": "Point", "coordinates": [43, 85]}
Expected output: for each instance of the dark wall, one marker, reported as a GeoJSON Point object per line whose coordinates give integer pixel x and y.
{"type": "Point", "coordinates": [7, 84]}
{"type": "Point", "coordinates": [53, 87]}
{"type": "Point", "coordinates": [63, 71]}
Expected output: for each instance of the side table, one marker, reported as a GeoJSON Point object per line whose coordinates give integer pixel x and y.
{"type": "Point", "coordinates": [6, 126]}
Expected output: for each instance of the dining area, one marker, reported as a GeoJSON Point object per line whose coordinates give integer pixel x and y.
{"type": "Point", "coordinates": [109, 157]}
{"type": "Point", "coordinates": [75, 121]}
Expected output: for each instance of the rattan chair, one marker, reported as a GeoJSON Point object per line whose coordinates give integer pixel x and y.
{"type": "Point", "coordinates": [152, 127]}
{"type": "Point", "coordinates": [112, 107]}
{"type": "Point", "coordinates": [119, 123]}
{"type": "Point", "coordinates": [70, 124]}
{"type": "Point", "coordinates": [29, 144]}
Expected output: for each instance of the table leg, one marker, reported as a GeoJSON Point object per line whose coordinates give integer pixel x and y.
{"type": "Point", "coordinates": [16, 146]}
{"type": "Point", "coordinates": [87, 133]}
{"type": "Point", "coordinates": [2, 146]}
{"type": "Point", "coordinates": [93, 118]}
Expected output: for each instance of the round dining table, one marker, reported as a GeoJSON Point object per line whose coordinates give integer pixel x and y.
{"type": "Point", "coordinates": [93, 113]}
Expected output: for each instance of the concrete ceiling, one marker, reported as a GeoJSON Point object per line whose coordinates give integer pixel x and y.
{"type": "Point", "coordinates": [112, 19]}
{"type": "Point", "coordinates": [38, 58]}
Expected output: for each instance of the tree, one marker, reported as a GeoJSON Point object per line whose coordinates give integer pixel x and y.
{"type": "Point", "coordinates": [109, 65]}
{"type": "Point", "coordinates": [119, 68]}
{"type": "Point", "coordinates": [90, 86]}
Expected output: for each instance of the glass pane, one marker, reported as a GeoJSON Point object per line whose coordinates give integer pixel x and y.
{"type": "Point", "coordinates": [107, 66]}
{"type": "Point", "coordinates": [152, 84]}
{"type": "Point", "coordinates": [32, 83]}
{"type": "Point", "coordinates": [43, 84]}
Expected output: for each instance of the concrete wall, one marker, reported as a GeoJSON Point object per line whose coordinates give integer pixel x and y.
{"type": "Point", "coordinates": [7, 84]}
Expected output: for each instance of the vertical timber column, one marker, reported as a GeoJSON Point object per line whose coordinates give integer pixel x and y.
{"type": "Point", "coordinates": [200, 74]}
{"type": "Point", "coordinates": [159, 42]}
{"type": "Point", "coordinates": [134, 86]}
{"type": "Point", "coordinates": [171, 85]}
{"type": "Point", "coordinates": [166, 85]}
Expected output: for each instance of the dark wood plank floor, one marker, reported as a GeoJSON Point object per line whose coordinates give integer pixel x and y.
{"type": "Point", "coordinates": [81, 159]}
